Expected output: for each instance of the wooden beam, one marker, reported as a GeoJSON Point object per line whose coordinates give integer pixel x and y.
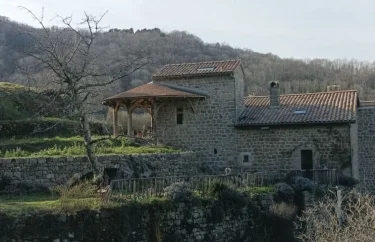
{"type": "Point", "coordinates": [191, 105]}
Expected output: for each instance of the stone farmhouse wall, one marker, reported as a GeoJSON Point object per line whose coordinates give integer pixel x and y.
{"type": "Point", "coordinates": [178, 221]}
{"type": "Point", "coordinates": [366, 148]}
{"type": "Point", "coordinates": [58, 170]}
{"type": "Point", "coordinates": [207, 127]}
{"type": "Point", "coordinates": [280, 147]}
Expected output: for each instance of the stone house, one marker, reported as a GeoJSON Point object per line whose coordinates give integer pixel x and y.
{"type": "Point", "coordinates": [204, 107]}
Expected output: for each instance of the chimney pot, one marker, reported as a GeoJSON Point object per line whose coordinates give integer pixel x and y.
{"type": "Point", "coordinates": [274, 94]}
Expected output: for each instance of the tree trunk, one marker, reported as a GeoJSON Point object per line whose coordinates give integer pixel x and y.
{"type": "Point", "coordinates": [97, 168]}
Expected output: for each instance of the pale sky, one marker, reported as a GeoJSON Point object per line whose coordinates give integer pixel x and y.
{"type": "Point", "coordinates": [288, 28]}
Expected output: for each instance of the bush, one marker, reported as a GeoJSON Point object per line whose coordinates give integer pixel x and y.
{"type": "Point", "coordinates": [179, 192]}
{"type": "Point", "coordinates": [233, 198]}
{"type": "Point", "coordinates": [284, 192]}
{"type": "Point", "coordinates": [347, 181]}
{"type": "Point", "coordinates": [229, 197]}
{"type": "Point", "coordinates": [84, 195]}
{"type": "Point", "coordinates": [301, 184]}
{"type": "Point", "coordinates": [217, 188]}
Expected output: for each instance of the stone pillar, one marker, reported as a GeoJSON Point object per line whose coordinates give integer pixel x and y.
{"type": "Point", "coordinates": [354, 149]}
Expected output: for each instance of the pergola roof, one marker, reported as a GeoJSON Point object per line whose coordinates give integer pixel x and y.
{"type": "Point", "coordinates": [152, 90]}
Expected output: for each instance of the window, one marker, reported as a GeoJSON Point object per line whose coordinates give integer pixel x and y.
{"type": "Point", "coordinates": [179, 115]}
{"type": "Point", "coordinates": [215, 151]}
{"type": "Point", "coordinates": [245, 159]}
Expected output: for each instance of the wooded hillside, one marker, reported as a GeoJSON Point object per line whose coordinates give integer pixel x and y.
{"type": "Point", "coordinates": [178, 46]}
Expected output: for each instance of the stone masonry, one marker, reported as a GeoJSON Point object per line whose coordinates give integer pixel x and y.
{"type": "Point", "coordinates": [207, 123]}
{"type": "Point", "coordinates": [280, 147]}
{"type": "Point", "coordinates": [58, 170]}
{"type": "Point", "coordinates": [197, 220]}
{"type": "Point", "coordinates": [366, 148]}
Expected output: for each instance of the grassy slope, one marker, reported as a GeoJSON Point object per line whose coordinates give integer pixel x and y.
{"type": "Point", "coordinates": [19, 102]}
{"type": "Point", "coordinates": [71, 146]}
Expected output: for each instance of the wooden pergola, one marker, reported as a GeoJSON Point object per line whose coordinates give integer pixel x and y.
{"type": "Point", "coordinates": [149, 97]}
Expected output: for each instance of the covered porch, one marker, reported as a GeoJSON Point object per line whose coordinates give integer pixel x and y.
{"type": "Point", "coordinates": [149, 97]}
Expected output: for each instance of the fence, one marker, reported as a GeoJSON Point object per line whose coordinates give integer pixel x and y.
{"type": "Point", "coordinates": [320, 176]}
{"type": "Point", "coordinates": [135, 188]}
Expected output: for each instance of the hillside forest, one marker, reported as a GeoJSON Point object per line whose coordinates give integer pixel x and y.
{"type": "Point", "coordinates": [295, 75]}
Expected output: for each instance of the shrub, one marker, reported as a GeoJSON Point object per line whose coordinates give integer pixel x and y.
{"type": "Point", "coordinates": [217, 188]}
{"type": "Point", "coordinates": [229, 197]}
{"type": "Point", "coordinates": [301, 184]}
{"type": "Point", "coordinates": [81, 196]}
{"type": "Point", "coordinates": [347, 181]}
{"type": "Point", "coordinates": [233, 198]}
{"type": "Point", "coordinates": [283, 210]}
{"type": "Point", "coordinates": [179, 192]}
{"type": "Point", "coordinates": [284, 192]}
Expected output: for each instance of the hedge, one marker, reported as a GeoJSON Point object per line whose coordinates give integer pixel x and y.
{"type": "Point", "coordinates": [48, 128]}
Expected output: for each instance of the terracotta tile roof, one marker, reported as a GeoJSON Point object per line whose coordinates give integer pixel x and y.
{"type": "Point", "coordinates": [197, 69]}
{"type": "Point", "coordinates": [367, 103]}
{"type": "Point", "coordinates": [321, 107]}
{"type": "Point", "coordinates": [153, 90]}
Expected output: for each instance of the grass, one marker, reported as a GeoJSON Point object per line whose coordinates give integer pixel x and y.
{"type": "Point", "coordinates": [81, 197]}
{"type": "Point", "coordinates": [18, 102]}
{"type": "Point", "coordinates": [71, 146]}
{"type": "Point", "coordinates": [18, 205]}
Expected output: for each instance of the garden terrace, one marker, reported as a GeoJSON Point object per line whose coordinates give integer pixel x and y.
{"type": "Point", "coordinates": [73, 146]}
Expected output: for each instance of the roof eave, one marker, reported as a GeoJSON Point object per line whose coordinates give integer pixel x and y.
{"type": "Point", "coordinates": [170, 77]}
{"type": "Point", "coordinates": [293, 123]}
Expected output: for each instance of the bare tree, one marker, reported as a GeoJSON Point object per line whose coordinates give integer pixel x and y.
{"type": "Point", "coordinates": [76, 67]}
{"type": "Point", "coordinates": [355, 222]}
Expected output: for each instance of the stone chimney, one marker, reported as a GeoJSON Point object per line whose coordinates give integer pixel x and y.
{"type": "Point", "coordinates": [274, 94]}
{"type": "Point", "coordinates": [332, 88]}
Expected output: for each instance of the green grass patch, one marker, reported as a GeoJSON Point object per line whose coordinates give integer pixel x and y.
{"type": "Point", "coordinates": [72, 146]}
{"type": "Point", "coordinates": [259, 190]}
{"type": "Point", "coordinates": [17, 205]}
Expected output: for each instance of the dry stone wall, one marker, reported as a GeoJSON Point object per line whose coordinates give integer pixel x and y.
{"type": "Point", "coordinates": [366, 148]}
{"type": "Point", "coordinates": [57, 170]}
{"type": "Point", "coordinates": [197, 220]}
{"type": "Point", "coordinates": [280, 147]}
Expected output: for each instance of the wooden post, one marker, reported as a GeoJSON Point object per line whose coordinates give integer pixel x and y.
{"type": "Point", "coordinates": [130, 122]}
{"type": "Point", "coordinates": [153, 121]}
{"type": "Point", "coordinates": [115, 119]}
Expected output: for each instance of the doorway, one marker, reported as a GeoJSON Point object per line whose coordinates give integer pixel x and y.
{"type": "Point", "coordinates": [307, 163]}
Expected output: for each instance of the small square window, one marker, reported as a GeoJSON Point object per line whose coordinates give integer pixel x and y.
{"type": "Point", "coordinates": [179, 115]}
{"type": "Point", "coordinates": [246, 159]}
